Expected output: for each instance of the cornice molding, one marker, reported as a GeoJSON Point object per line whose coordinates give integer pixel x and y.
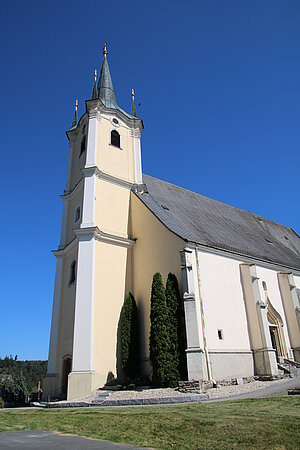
{"type": "Point", "coordinates": [96, 233]}
{"type": "Point", "coordinates": [97, 107]}
{"type": "Point", "coordinates": [74, 131]}
{"type": "Point", "coordinates": [94, 170]}
{"type": "Point", "coordinates": [67, 249]}
{"type": "Point", "coordinates": [114, 239]}
{"type": "Point", "coordinates": [243, 258]}
{"type": "Point", "coordinates": [71, 194]}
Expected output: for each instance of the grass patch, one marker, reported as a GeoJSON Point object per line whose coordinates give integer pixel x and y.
{"type": "Point", "coordinates": [271, 423]}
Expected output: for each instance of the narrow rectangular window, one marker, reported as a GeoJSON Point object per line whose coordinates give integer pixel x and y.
{"type": "Point", "coordinates": [220, 334]}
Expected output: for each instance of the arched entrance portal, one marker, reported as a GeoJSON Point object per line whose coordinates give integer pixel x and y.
{"type": "Point", "coordinates": [67, 367]}
{"type": "Point", "coordinates": [275, 327]}
{"type": "Point", "coordinates": [276, 331]}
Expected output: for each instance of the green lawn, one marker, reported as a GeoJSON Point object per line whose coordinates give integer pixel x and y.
{"type": "Point", "coordinates": [249, 424]}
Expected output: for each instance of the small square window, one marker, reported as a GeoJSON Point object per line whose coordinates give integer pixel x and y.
{"type": "Point", "coordinates": [220, 334]}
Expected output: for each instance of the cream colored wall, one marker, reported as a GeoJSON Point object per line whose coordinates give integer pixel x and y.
{"type": "Point", "coordinates": [270, 277]}
{"type": "Point", "coordinates": [66, 316]}
{"type": "Point", "coordinates": [74, 202]}
{"type": "Point", "coordinates": [112, 208]}
{"type": "Point", "coordinates": [118, 162]}
{"type": "Point", "coordinates": [223, 302]}
{"type": "Point", "coordinates": [110, 278]}
{"type": "Point", "coordinates": [156, 250]}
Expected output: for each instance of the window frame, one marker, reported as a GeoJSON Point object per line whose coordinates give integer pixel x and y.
{"type": "Point", "coordinates": [117, 136]}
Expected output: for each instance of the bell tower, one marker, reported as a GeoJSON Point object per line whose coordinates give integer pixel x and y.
{"type": "Point", "coordinates": [104, 164]}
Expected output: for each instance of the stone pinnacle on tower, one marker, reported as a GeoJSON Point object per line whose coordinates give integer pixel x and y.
{"type": "Point", "coordinates": [94, 91]}
{"type": "Point", "coordinates": [133, 108]}
{"type": "Point", "coordinates": [75, 117]}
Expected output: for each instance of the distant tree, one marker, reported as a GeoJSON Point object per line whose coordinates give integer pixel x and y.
{"type": "Point", "coordinates": [32, 371]}
{"type": "Point", "coordinates": [176, 326]}
{"type": "Point", "coordinates": [130, 338]}
{"type": "Point", "coordinates": [13, 389]}
{"type": "Point", "coordinates": [159, 335]}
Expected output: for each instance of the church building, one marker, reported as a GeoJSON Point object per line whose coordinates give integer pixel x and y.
{"type": "Point", "coordinates": [239, 273]}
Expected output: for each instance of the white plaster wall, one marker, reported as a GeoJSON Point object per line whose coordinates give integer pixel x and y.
{"type": "Point", "coordinates": [223, 302]}
{"type": "Point", "coordinates": [297, 281]}
{"type": "Point", "coordinates": [270, 277]}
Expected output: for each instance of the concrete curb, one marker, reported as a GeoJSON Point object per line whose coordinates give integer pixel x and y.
{"type": "Point", "coordinates": [135, 401]}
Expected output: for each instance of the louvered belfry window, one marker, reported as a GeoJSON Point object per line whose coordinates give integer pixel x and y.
{"type": "Point", "coordinates": [115, 138]}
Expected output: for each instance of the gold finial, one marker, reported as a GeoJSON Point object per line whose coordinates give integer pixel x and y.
{"type": "Point", "coordinates": [95, 74]}
{"type": "Point", "coordinates": [76, 105]}
{"type": "Point", "coordinates": [105, 50]}
{"type": "Point", "coordinates": [132, 94]}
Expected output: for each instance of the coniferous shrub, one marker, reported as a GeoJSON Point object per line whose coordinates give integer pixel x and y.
{"type": "Point", "coordinates": [159, 334]}
{"type": "Point", "coordinates": [1, 403]}
{"type": "Point", "coordinates": [176, 329]}
{"type": "Point", "coordinates": [130, 338]}
{"type": "Point", "coordinates": [173, 302]}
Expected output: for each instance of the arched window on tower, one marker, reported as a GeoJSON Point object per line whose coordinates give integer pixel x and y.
{"type": "Point", "coordinates": [82, 145]}
{"type": "Point", "coordinates": [72, 273]}
{"type": "Point", "coordinates": [115, 138]}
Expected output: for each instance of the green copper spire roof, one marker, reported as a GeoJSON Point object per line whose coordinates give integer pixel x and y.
{"type": "Point", "coordinates": [106, 91]}
{"type": "Point", "coordinates": [95, 92]}
{"type": "Point", "coordinates": [75, 117]}
{"type": "Point", "coordinates": [133, 108]}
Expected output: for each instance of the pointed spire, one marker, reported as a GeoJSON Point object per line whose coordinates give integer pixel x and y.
{"type": "Point", "coordinates": [105, 88]}
{"type": "Point", "coordinates": [75, 117]}
{"type": "Point", "coordinates": [133, 108]}
{"type": "Point", "coordinates": [95, 92]}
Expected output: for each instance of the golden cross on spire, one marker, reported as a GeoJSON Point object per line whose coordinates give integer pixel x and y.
{"type": "Point", "coordinates": [132, 94]}
{"type": "Point", "coordinates": [95, 74]}
{"type": "Point", "coordinates": [105, 49]}
{"type": "Point", "coordinates": [76, 105]}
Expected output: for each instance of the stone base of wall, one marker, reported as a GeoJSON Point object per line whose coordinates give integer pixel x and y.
{"type": "Point", "coordinates": [81, 384]}
{"type": "Point", "coordinates": [227, 365]}
{"type": "Point", "coordinates": [51, 386]}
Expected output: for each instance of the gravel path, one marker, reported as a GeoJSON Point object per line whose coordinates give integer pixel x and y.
{"type": "Point", "coordinates": [253, 389]}
{"type": "Point", "coordinates": [214, 393]}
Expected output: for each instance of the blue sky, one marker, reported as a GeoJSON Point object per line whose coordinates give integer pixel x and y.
{"type": "Point", "coordinates": [218, 83]}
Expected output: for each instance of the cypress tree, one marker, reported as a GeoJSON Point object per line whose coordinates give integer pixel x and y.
{"type": "Point", "coordinates": [159, 336]}
{"type": "Point", "coordinates": [176, 329]}
{"type": "Point", "coordinates": [173, 301]}
{"type": "Point", "coordinates": [130, 338]}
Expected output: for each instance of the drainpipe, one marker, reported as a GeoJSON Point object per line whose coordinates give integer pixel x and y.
{"type": "Point", "coordinates": [203, 321]}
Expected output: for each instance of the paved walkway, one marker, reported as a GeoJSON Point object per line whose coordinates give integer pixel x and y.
{"type": "Point", "coordinates": [273, 390]}
{"type": "Point", "coordinates": [45, 440]}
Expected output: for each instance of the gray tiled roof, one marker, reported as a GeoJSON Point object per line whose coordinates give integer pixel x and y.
{"type": "Point", "coordinates": [209, 222]}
